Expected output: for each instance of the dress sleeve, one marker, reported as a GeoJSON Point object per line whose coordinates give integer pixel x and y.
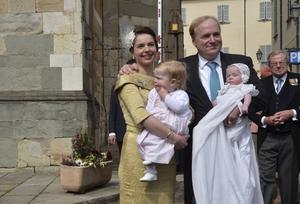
{"type": "Point", "coordinates": [254, 91]}
{"type": "Point", "coordinates": [133, 101]}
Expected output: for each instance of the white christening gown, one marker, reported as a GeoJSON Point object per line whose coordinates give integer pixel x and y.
{"type": "Point", "coordinates": [224, 167]}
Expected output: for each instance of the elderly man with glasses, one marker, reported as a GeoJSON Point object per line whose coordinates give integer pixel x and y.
{"type": "Point", "coordinates": [276, 113]}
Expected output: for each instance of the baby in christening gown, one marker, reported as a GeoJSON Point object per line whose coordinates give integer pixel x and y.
{"type": "Point", "coordinates": [224, 162]}
{"type": "Point", "coordinates": [169, 103]}
{"type": "Point", "coordinates": [236, 75]}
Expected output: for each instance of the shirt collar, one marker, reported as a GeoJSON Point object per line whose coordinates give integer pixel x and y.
{"type": "Point", "coordinates": [203, 61]}
{"type": "Point", "coordinates": [283, 78]}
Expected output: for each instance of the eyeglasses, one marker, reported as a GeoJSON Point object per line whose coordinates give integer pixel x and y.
{"type": "Point", "coordinates": [276, 64]}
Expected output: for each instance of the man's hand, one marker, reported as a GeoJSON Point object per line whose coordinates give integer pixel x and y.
{"type": "Point", "coordinates": [271, 120]}
{"type": "Point", "coordinates": [111, 139]}
{"type": "Point", "coordinates": [232, 117]}
{"type": "Point", "coordinates": [128, 69]}
{"type": "Point", "coordinates": [283, 116]}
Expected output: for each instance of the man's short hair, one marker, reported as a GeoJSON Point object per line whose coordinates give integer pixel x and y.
{"type": "Point", "coordinates": [198, 21]}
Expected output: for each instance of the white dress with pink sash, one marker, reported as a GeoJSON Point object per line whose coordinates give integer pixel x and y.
{"type": "Point", "coordinates": [176, 114]}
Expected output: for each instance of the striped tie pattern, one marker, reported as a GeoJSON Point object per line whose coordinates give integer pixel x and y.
{"type": "Point", "coordinates": [278, 85]}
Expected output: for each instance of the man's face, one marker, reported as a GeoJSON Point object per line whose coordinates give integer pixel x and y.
{"type": "Point", "coordinates": [278, 65]}
{"type": "Point", "coordinates": [208, 39]}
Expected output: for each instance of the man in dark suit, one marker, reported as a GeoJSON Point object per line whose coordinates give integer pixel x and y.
{"type": "Point", "coordinates": [278, 134]}
{"type": "Point", "coordinates": [116, 121]}
{"type": "Point", "coordinates": [206, 36]}
{"type": "Point", "coordinates": [116, 124]}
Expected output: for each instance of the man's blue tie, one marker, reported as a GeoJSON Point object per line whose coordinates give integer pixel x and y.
{"type": "Point", "coordinates": [214, 81]}
{"type": "Point", "coordinates": [278, 85]}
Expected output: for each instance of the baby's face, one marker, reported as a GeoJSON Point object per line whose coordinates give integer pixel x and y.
{"type": "Point", "coordinates": [233, 75]}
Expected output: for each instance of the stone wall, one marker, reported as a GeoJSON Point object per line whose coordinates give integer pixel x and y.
{"type": "Point", "coordinates": [37, 133]}
{"type": "Point", "coordinates": [42, 97]}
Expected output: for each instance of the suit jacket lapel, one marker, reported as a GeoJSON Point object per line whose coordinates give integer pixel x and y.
{"type": "Point", "coordinates": [224, 64]}
{"type": "Point", "coordinates": [270, 85]}
{"type": "Point", "coordinates": [196, 87]}
{"type": "Point", "coordinates": [287, 88]}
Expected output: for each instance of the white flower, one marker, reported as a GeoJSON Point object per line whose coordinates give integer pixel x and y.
{"type": "Point", "coordinates": [130, 38]}
{"type": "Point", "coordinates": [104, 155]}
{"type": "Point", "coordinates": [78, 162]}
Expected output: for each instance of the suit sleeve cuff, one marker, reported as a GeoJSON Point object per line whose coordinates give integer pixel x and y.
{"type": "Point", "coordinates": [263, 122]}
{"type": "Point", "coordinates": [294, 118]}
{"type": "Point", "coordinates": [111, 134]}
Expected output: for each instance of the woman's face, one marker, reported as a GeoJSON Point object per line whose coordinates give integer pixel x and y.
{"type": "Point", "coordinates": [144, 50]}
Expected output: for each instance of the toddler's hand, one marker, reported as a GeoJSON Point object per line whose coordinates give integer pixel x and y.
{"type": "Point", "coordinates": [162, 92]}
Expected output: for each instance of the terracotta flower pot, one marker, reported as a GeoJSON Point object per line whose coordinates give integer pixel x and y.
{"type": "Point", "coordinates": [80, 179]}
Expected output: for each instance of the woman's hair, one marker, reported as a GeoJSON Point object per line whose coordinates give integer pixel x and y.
{"type": "Point", "coordinates": [143, 30]}
{"type": "Point", "coordinates": [195, 23]}
{"type": "Point", "coordinates": [175, 70]}
{"type": "Point", "coordinates": [244, 70]}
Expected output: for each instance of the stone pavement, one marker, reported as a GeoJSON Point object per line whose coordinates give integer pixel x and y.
{"type": "Point", "coordinates": [42, 185]}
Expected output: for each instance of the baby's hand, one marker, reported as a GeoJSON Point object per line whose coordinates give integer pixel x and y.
{"type": "Point", "coordinates": [245, 110]}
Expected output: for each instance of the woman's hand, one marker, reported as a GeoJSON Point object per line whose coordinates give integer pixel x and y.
{"type": "Point", "coordinates": [128, 69]}
{"type": "Point", "coordinates": [156, 127]}
{"type": "Point", "coordinates": [178, 140]}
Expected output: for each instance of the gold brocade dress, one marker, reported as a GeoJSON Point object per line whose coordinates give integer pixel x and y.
{"type": "Point", "coordinates": [133, 91]}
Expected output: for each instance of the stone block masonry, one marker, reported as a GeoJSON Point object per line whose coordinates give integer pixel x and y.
{"type": "Point", "coordinates": [41, 99]}
{"type": "Point", "coordinates": [38, 132]}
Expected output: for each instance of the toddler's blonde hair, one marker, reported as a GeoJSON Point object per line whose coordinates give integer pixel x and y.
{"type": "Point", "coordinates": [175, 70]}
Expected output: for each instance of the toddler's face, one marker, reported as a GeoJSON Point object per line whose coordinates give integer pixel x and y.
{"type": "Point", "coordinates": [162, 79]}
{"type": "Point", "coordinates": [233, 75]}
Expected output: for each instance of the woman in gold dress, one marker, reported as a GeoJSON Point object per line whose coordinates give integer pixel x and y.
{"type": "Point", "coordinates": [133, 91]}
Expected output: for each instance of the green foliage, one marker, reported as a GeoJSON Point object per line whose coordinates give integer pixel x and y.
{"type": "Point", "coordinates": [84, 153]}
